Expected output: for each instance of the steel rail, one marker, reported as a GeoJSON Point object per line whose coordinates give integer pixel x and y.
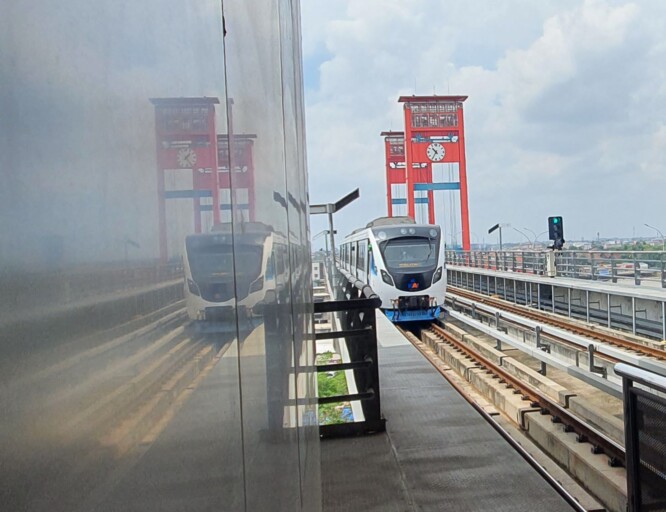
{"type": "Point", "coordinates": [561, 323]}
{"type": "Point", "coordinates": [600, 441]}
{"type": "Point", "coordinates": [574, 370]}
{"type": "Point", "coordinates": [622, 354]}
{"type": "Point", "coordinates": [545, 334]}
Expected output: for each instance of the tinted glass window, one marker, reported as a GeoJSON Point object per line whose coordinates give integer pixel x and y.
{"type": "Point", "coordinates": [409, 252]}
{"type": "Point", "coordinates": [361, 254]}
{"type": "Point", "coordinates": [216, 261]}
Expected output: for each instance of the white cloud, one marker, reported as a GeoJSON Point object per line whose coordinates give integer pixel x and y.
{"type": "Point", "coordinates": [565, 111]}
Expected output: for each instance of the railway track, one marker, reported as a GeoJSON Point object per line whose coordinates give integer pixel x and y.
{"type": "Point", "coordinates": [441, 347]}
{"type": "Point", "coordinates": [617, 340]}
{"type": "Point", "coordinates": [572, 423]}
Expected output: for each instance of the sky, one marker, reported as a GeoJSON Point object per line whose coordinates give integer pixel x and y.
{"type": "Point", "coordinates": [566, 112]}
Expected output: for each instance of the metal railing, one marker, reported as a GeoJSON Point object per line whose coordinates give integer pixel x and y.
{"type": "Point", "coordinates": [645, 437]}
{"type": "Point", "coordinates": [530, 262]}
{"type": "Point", "coordinates": [26, 291]}
{"type": "Point", "coordinates": [637, 267]}
{"type": "Point", "coordinates": [355, 307]}
{"type": "Point", "coordinates": [614, 266]}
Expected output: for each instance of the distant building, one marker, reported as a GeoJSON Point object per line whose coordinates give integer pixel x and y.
{"type": "Point", "coordinates": [317, 270]}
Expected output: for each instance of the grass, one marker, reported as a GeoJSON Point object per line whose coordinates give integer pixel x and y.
{"type": "Point", "coordinates": [331, 384]}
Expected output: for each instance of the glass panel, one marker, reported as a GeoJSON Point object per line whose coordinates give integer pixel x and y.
{"type": "Point", "coordinates": [279, 420]}
{"type": "Point", "coordinates": [146, 242]}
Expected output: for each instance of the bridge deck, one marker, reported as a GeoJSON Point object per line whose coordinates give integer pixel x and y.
{"type": "Point", "coordinates": [649, 290]}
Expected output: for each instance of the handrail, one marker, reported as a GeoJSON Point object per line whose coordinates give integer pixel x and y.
{"type": "Point", "coordinates": [365, 289]}
{"type": "Point", "coordinates": [640, 376]}
{"type": "Point", "coordinates": [636, 266]}
{"type": "Point", "coordinates": [356, 309]}
{"type": "Point", "coordinates": [644, 438]}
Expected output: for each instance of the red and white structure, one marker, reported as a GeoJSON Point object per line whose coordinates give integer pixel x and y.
{"type": "Point", "coordinates": [434, 133]}
{"type": "Point", "coordinates": [200, 165]}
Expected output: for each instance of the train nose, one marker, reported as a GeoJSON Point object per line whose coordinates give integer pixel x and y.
{"type": "Point", "coordinates": [412, 282]}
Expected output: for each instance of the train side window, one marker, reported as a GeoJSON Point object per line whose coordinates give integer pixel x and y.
{"type": "Point", "coordinates": [270, 267]}
{"type": "Point", "coordinates": [280, 262]}
{"type": "Point", "coordinates": [353, 258]}
{"type": "Point", "coordinates": [362, 247]}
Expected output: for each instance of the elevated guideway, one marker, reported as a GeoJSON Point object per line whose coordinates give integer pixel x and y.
{"type": "Point", "coordinates": [436, 450]}
{"type": "Point", "coordinates": [611, 291]}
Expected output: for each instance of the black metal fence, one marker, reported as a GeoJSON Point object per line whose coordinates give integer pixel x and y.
{"type": "Point", "coordinates": [645, 438]}
{"type": "Point", "coordinates": [355, 307]}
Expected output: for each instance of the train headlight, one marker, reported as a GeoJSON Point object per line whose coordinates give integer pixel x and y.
{"type": "Point", "coordinates": [257, 285]}
{"type": "Point", "coordinates": [381, 235]}
{"type": "Point", "coordinates": [433, 233]}
{"type": "Point", "coordinates": [194, 289]}
{"type": "Point", "coordinates": [437, 276]}
{"type": "Point", "coordinates": [387, 278]}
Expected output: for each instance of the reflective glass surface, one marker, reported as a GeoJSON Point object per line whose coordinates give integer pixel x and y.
{"type": "Point", "coordinates": [155, 298]}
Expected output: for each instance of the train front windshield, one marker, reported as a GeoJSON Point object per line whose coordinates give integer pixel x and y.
{"type": "Point", "coordinates": [404, 253]}
{"type": "Point", "coordinates": [214, 263]}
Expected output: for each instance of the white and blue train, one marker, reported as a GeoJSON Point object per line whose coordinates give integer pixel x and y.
{"type": "Point", "coordinates": [215, 295]}
{"type": "Point", "coordinates": [403, 262]}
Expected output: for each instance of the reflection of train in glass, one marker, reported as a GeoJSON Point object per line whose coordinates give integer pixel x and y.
{"type": "Point", "coordinates": [213, 291]}
{"type": "Point", "coordinates": [403, 263]}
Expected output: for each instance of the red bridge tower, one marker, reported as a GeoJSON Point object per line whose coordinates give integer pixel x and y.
{"type": "Point", "coordinates": [434, 133]}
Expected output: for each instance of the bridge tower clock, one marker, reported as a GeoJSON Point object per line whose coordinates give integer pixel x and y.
{"type": "Point", "coordinates": [434, 134]}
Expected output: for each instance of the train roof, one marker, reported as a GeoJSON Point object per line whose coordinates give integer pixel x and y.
{"type": "Point", "coordinates": [389, 221]}
{"type": "Point", "coordinates": [244, 227]}
{"type": "Point", "coordinates": [223, 233]}
{"type": "Point", "coordinates": [390, 225]}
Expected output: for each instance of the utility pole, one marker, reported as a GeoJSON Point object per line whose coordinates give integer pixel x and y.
{"type": "Point", "coordinates": [663, 240]}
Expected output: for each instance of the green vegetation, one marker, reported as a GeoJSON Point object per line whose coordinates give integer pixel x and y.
{"type": "Point", "coordinates": [331, 384]}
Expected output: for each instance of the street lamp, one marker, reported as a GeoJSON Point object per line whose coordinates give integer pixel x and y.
{"type": "Point", "coordinates": [663, 240]}
{"type": "Point", "coordinates": [528, 238]}
{"type": "Point", "coordinates": [330, 209]}
{"type": "Point", "coordinates": [499, 226]}
{"type": "Point", "coordinates": [324, 232]}
{"type": "Point", "coordinates": [536, 237]}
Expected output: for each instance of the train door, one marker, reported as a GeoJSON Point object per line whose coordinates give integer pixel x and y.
{"type": "Point", "coordinates": [362, 250]}
{"type": "Point", "coordinates": [352, 270]}
{"type": "Point", "coordinates": [372, 269]}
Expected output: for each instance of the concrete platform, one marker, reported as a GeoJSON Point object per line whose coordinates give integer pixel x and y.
{"type": "Point", "coordinates": [438, 453]}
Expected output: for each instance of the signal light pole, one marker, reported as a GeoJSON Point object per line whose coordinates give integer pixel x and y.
{"type": "Point", "coordinates": [556, 232]}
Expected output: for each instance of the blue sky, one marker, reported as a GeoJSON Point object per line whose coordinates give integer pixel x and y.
{"type": "Point", "coordinates": [566, 110]}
